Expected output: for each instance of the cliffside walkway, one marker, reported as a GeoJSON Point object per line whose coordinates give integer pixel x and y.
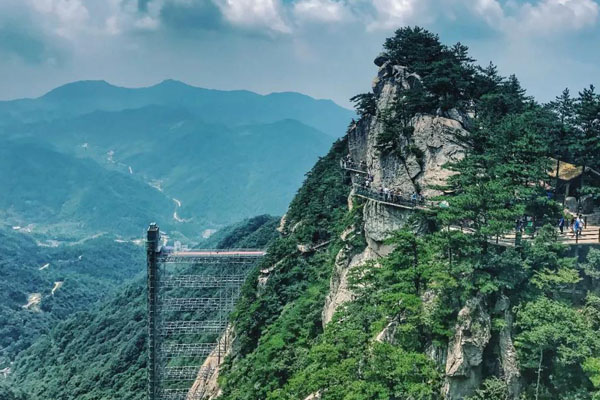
{"type": "Point", "coordinates": [393, 199]}
{"type": "Point", "coordinates": [353, 166]}
{"type": "Point", "coordinates": [590, 234]}
{"type": "Point", "coordinates": [190, 296]}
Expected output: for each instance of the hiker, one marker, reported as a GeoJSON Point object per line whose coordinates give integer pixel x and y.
{"type": "Point", "coordinates": [561, 224]}
{"type": "Point", "coordinates": [386, 193]}
{"type": "Point", "coordinates": [579, 225]}
{"type": "Point", "coordinates": [575, 227]}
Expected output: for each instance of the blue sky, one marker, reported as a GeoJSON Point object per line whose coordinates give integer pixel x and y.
{"type": "Point", "coordinates": [323, 48]}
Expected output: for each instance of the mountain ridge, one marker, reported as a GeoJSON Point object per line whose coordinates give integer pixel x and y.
{"type": "Point", "coordinates": [232, 107]}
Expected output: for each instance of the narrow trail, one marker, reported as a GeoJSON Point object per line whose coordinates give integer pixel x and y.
{"type": "Point", "coordinates": [57, 285]}
{"type": "Point", "coordinates": [176, 217]}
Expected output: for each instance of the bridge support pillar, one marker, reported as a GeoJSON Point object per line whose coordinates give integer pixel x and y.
{"type": "Point", "coordinates": [152, 246]}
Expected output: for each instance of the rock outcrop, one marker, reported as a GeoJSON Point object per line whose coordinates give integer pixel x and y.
{"type": "Point", "coordinates": [339, 287]}
{"type": "Point", "coordinates": [206, 386]}
{"type": "Point", "coordinates": [508, 353]}
{"type": "Point", "coordinates": [433, 139]}
{"type": "Point", "coordinates": [465, 351]}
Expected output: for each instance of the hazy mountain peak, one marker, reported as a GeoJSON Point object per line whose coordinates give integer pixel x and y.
{"type": "Point", "coordinates": [78, 89]}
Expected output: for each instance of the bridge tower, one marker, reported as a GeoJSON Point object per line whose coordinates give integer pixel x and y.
{"type": "Point", "coordinates": [190, 295]}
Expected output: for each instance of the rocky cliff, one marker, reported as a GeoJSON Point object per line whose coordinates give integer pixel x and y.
{"type": "Point", "coordinates": [421, 171]}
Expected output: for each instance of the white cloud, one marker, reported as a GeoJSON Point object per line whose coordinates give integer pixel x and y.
{"type": "Point", "coordinates": [552, 16]}
{"type": "Point", "coordinates": [321, 10]}
{"type": "Point", "coordinates": [396, 13]}
{"type": "Point", "coordinates": [67, 16]}
{"type": "Point", "coordinates": [490, 10]}
{"type": "Point", "coordinates": [261, 14]}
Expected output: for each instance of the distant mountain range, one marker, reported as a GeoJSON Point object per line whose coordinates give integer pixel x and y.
{"type": "Point", "coordinates": [238, 107]}
{"type": "Point", "coordinates": [90, 157]}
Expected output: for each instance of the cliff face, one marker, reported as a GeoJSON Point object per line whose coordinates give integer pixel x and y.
{"type": "Point", "coordinates": [433, 137]}
{"type": "Point", "coordinates": [462, 359]}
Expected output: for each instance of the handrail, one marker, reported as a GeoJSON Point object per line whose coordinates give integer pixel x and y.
{"type": "Point", "coordinates": [353, 166]}
{"type": "Point", "coordinates": [393, 198]}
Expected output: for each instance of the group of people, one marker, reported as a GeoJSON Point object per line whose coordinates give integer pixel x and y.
{"type": "Point", "coordinates": [575, 225]}
{"type": "Point", "coordinates": [349, 164]}
{"type": "Point", "coordinates": [391, 195]}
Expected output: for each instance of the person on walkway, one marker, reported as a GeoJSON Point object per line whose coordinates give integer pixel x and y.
{"type": "Point", "coordinates": [580, 225]}
{"type": "Point", "coordinates": [561, 224]}
{"type": "Point", "coordinates": [576, 227]}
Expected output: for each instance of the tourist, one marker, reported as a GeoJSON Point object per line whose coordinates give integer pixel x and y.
{"type": "Point", "coordinates": [561, 224]}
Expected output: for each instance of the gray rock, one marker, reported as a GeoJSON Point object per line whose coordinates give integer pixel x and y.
{"type": "Point", "coordinates": [465, 351]}
{"type": "Point", "coordinates": [381, 59]}
{"type": "Point", "coordinates": [587, 204]}
{"type": "Point", "coordinates": [508, 354]}
{"type": "Point", "coordinates": [571, 204]}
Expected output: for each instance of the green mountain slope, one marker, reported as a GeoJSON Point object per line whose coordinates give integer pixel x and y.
{"type": "Point", "coordinates": [106, 345]}
{"type": "Point", "coordinates": [218, 174]}
{"type": "Point", "coordinates": [63, 195]}
{"type": "Point", "coordinates": [213, 106]}
{"type": "Point", "coordinates": [64, 280]}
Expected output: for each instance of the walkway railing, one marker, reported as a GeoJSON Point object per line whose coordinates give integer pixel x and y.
{"type": "Point", "coordinates": [353, 166]}
{"type": "Point", "coordinates": [393, 198]}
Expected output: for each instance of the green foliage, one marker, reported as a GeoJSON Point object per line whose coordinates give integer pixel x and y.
{"type": "Point", "coordinates": [365, 104]}
{"type": "Point", "coordinates": [553, 342]}
{"type": "Point", "coordinates": [101, 353]}
{"type": "Point", "coordinates": [276, 325]}
{"type": "Point", "coordinates": [90, 271]}
{"type": "Point", "coordinates": [491, 389]}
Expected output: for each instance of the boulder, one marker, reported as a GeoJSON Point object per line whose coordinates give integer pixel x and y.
{"type": "Point", "coordinates": [587, 204]}
{"type": "Point", "coordinates": [571, 204]}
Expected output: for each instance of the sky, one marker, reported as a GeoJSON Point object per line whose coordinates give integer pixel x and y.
{"type": "Point", "coordinates": [323, 48]}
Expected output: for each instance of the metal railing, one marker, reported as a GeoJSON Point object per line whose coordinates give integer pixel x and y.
{"type": "Point", "coordinates": [393, 199]}
{"type": "Point", "coordinates": [190, 350]}
{"type": "Point", "coordinates": [192, 327]}
{"type": "Point", "coordinates": [353, 166]}
{"type": "Point", "coordinates": [196, 304]}
{"type": "Point", "coordinates": [202, 281]}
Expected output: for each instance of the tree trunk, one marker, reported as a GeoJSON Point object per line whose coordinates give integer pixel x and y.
{"type": "Point", "coordinates": [539, 374]}
{"type": "Point", "coordinates": [557, 178]}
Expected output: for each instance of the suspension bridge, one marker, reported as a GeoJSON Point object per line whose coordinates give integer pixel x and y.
{"type": "Point", "coordinates": [190, 296]}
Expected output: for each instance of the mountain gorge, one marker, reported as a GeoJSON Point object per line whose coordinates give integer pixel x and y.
{"type": "Point", "coordinates": [196, 159]}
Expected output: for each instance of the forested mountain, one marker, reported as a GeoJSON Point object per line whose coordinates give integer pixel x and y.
{"type": "Point", "coordinates": [106, 345]}
{"type": "Point", "coordinates": [175, 161]}
{"type": "Point", "coordinates": [404, 279]}
{"type": "Point", "coordinates": [409, 304]}
{"type": "Point", "coordinates": [59, 195]}
{"type": "Point", "coordinates": [237, 107]}
{"type": "Point", "coordinates": [42, 285]}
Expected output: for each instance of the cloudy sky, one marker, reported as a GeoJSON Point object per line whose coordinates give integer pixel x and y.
{"type": "Point", "coordinates": [323, 48]}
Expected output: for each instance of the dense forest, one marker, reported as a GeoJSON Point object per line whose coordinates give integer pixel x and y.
{"type": "Point", "coordinates": [101, 352]}
{"type": "Point", "coordinates": [539, 294]}
{"type": "Point", "coordinates": [283, 351]}
{"type": "Point", "coordinates": [44, 285]}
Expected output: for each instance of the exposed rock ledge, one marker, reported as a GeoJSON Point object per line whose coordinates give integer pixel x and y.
{"type": "Point", "coordinates": [465, 351]}
{"type": "Point", "coordinates": [339, 290]}
{"type": "Point", "coordinates": [206, 387]}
